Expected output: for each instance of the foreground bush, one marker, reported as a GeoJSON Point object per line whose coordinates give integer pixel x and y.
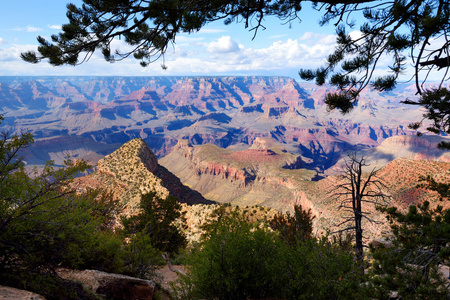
{"type": "Point", "coordinates": [239, 260]}
{"type": "Point", "coordinates": [45, 225]}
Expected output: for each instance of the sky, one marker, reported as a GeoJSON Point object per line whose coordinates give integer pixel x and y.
{"type": "Point", "coordinates": [217, 49]}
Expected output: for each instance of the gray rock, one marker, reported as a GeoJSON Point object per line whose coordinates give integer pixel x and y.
{"type": "Point", "coordinates": [9, 293]}
{"type": "Point", "coordinates": [112, 286]}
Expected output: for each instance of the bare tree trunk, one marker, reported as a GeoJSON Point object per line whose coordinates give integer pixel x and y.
{"type": "Point", "coordinates": [358, 236]}
{"type": "Point", "coordinates": [355, 189]}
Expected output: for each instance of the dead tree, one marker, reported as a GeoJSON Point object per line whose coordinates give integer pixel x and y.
{"type": "Point", "coordinates": [355, 193]}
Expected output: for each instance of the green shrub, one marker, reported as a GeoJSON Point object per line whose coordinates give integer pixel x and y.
{"type": "Point", "coordinates": [295, 228]}
{"type": "Point", "coordinates": [239, 260]}
{"type": "Point", "coordinates": [45, 225]}
{"type": "Point", "coordinates": [156, 220]}
{"type": "Point", "coordinates": [141, 258]}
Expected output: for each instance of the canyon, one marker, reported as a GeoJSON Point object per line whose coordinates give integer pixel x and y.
{"type": "Point", "coordinates": [266, 141]}
{"type": "Point", "coordinates": [89, 117]}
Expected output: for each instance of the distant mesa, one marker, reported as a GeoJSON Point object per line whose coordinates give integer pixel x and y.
{"type": "Point", "coordinates": [225, 111]}
{"type": "Point", "coordinates": [219, 117]}
{"type": "Point", "coordinates": [252, 108]}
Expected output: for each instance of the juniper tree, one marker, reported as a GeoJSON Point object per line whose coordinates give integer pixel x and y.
{"type": "Point", "coordinates": [415, 32]}
{"type": "Point", "coordinates": [420, 246]}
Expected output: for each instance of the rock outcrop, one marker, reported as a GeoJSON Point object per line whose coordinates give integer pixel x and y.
{"type": "Point", "coordinates": [133, 170]}
{"type": "Point", "coordinates": [259, 176]}
{"type": "Point", "coordinates": [112, 286]}
{"type": "Point", "coordinates": [9, 293]}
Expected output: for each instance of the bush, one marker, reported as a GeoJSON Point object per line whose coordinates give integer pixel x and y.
{"type": "Point", "coordinates": [156, 221]}
{"type": "Point", "coordinates": [294, 228]}
{"type": "Point", "coordinates": [141, 258]}
{"type": "Point", "coordinates": [45, 225]}
{"type": "Point", "coordinates": [239, 260]}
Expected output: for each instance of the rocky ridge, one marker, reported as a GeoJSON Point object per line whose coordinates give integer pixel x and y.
{"type": "Point", "coordinates": [133, 170]}
{"type": "Point", "coordinates": [250, 177]}
{"type": "Point", "coordinates": [264, 174]}
{"type": "Point", "coordinates": [224, 111]}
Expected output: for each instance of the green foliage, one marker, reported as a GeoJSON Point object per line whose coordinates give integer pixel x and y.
{"type": "Point", "coordinates": [390, 29]}
{"type": "Point", "coordinates": [238, 260]}
{"type": "Point", "coordinates": [341, 101]}
{"type": "Point", "coordinates": [241, 260]}
{"type": "Point", "coordinates": [156, 221]}
{"type": "Point", "coordinates": [421, 244]}
{"type": "Point", "coordinates": [320, 269]}
{"type": "Point", "coordinates": [149, 26]}
{"type": "Point", "coordinates": [45, 225]}
{"type": "Point", "coordinates": [429, 183]}
{"type": "Point", "coordinates": [141, 258]}
{"type": "Point", "coordinates": [296, 228]}
{"type": "Point", "coordinates": [436, 102]}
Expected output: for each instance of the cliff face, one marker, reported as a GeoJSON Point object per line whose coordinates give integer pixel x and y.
{"type": "Point", "coordinates": [133, 170]}
{"type": "Point", "coordinates": [223, 111]}
{"type": "Point", "coordinates": [260, 175]}
{"type": "Point", "coordinates": [265, 174]}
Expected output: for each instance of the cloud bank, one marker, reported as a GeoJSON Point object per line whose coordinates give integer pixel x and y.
{"type": "Point", "coordinates": [192, 56]}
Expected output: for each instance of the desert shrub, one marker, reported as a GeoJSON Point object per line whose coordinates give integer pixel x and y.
{"type": "Point", "coordinates": [319, 269]}
{"type": "Point", "coordinates": [239, 260]}
{"type": "Point", "coordinates": [156, 220]}
{"type": "Point", "coordinates": [420, 244]}
{"type": "Point", "coordinates": [295, 228]}
{"type": "Point", "coordinates": [45, 225]}
{"type": "Point", "coordinates": [141, 258]}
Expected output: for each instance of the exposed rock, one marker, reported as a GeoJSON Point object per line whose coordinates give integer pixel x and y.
{"type": "Point", "coordinates": [255, 176]}
{"type": "Point", "coordinates": [386, 242]}
{"type": "Point", "coordinates": [198, 215]}
{"type": "Point", "coordinates": [9, 293]}
{"type": "Point", "coordinates": [223, 111]}
{"type": "Point", "coordinates": [112, 286]}
{"type": "Point", "coordinates": [133, 170]}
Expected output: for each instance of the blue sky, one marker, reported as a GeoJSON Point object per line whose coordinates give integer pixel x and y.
{"type": "Point", "coordinates": [215, 50]}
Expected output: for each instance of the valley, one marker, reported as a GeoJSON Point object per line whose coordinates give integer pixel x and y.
{"type": "Point", "coordinates": [266, 141]}
{"type": "Point", "coordinates": [102, 113]}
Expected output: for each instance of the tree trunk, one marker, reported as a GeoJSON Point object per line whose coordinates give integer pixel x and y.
{"type": "Point", "coordinates": [358, 236]}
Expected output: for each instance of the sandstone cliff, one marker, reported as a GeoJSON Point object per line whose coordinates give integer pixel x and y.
{"type": "Point", "coordinates": [264, 174]}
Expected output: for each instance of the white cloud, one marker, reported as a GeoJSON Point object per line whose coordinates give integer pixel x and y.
{"type": "Point", "coordinates": [355, 34]}
{"type": "Point", "coordinates": [223, 45]}
{"type": "Point", "coordinates": [281, 57]}
{"type": "Point", "coordinates": [27, 29]}
{"type": "Point", "coordinates": [57, 27]}
{"type": "Point", "coordinates": [2, 41]}
{"type": "Point", "coordinates": [11, 53]}
{"type": "Point", "coordinates": [210, 30]}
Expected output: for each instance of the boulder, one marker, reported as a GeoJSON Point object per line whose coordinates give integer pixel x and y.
{"type": "Point", "coordinates": [386, 242]}
{"type": "Point", "coordinates": [8, 293]}
{"type": "Point", "coordinates": [112, 286]}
